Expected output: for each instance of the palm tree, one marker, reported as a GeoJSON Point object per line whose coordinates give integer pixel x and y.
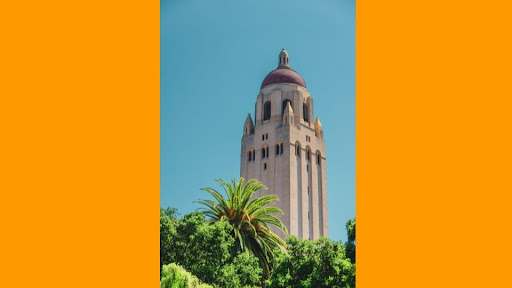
{"type": "Point", "coordinates": [250, 218]}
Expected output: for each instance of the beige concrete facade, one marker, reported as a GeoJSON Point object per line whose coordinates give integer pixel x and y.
{"type": "Point", "coordinates": [275, 151]}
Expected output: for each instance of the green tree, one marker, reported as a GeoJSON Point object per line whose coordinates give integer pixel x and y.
{"type": "Point", "coordinates": [169, 212]}
{"type": "Point", "coordinates": [204, 249]}
{"type": "Point", "coordinates": [351, 243]}
{"type": "Point", "coordinates": [244, 271]}
{"type": "Point", "coordinates": [250, 219]}
{"type": "Point", "coordinates": [312, 264]}
{"type": "Point", "coordinates": [168, 222]}
{"type": "Point", "coordinates": [175, 276]}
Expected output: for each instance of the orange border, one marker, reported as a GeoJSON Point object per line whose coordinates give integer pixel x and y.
{"type": "Point", "coordinates": [80, 117]}
{"type": "Point", "coordinates": [433, 137]}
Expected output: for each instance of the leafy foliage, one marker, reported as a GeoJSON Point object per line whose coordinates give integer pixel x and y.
{"type": "Point", "coordinates": [174, 276]}
{"type": "Point", "coordinates": [244, 271]}
{"type": "Point", "coordinates": [250, 219]}
{"type": "Point", "coordinates": [351, 230]}
{"type": "Point", "coordinates": [169, 212]}
{"type": "Point", "coordinates": [208, 249]}
{"type": "Point", "coordinates": [321, 263]}
{"type": "Point", "coordinates": [204, 249]}
{"type": "Point", "coordinates": [212, 252]}
{"type": "Point", "coordinates": [168, 222]}
{"type": "Point", "coordinates": [200, 247]}
{"type": "Point", "coordinates": [351, 244]}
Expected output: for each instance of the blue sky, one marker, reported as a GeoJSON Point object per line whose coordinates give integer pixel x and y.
{"type": "Point", "coordinates": [214, 56]}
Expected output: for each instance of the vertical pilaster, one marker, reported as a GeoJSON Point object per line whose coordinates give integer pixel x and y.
{"type": "Point", "coordinates": [293, 216]}
{"type": "Point", "coordinates": [324, 198]}
{"type": "Point", "coordinates": [314, 195]}
{"type": "Point", "coordinates": [306, 217]}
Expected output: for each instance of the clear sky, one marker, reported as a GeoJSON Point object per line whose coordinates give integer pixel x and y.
{"type": "Point", "coordinates": [214, 56]}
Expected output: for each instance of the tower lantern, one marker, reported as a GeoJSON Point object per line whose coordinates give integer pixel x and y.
{"type": "Point", "coordinates": [283, 59]}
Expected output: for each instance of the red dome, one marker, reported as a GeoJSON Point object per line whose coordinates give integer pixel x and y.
{"type": "Point", "coordinates": [283, 75]}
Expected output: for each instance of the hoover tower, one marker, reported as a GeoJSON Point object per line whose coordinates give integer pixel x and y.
{"type": "Point", "coordinates": [285, 149]}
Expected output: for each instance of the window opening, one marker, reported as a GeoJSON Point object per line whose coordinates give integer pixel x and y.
{"type": "Point", "coordinates": [266, 111]}
{"type": "Point", "coordinates": [305, 112]}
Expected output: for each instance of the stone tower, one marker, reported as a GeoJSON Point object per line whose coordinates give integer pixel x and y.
{"type": "Point", "coordinates": [285, 149]}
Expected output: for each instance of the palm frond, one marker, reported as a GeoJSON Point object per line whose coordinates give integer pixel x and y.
{"type": "Point", "coordinates": [251, 219]}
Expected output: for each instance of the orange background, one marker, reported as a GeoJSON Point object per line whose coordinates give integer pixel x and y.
{"type": "Point", "coordinates": [79, 118]}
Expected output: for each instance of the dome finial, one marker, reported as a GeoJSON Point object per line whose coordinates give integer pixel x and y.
{"type": "Point", "coordinates": [283, 59]}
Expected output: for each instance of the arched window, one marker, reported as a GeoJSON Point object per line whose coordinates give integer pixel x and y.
{"type": "Point", "coordinates": [305, 112]}
{"type": "Point", "coordinates": [262, 152]}
{"type": "Point", "coordinates": [266, 111]}
{"type": "Point", "coordinates": [285, 103]}
{"type": "Point", "coordinates": [277, 149]}
{"type": "Point", "coordinates": [318, 159]}
{"type": "Point", "coordinates": [297, 150]}
{"type": "Point", "coordinates": [268, 154]}
{"type": "Point", "coordinates": [281, 151]}
{"type": "Point", "coordinates": [250, 156]}
{"type": "Point", "coordinates": [308, 155]}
